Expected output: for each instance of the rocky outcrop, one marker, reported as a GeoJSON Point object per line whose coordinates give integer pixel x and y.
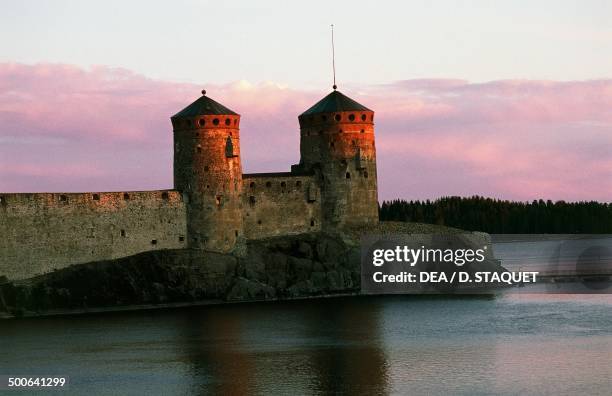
{"type": "Point", "coordinates": [298, 266]}
{"type": "Point", "coordinates": [281, 267]}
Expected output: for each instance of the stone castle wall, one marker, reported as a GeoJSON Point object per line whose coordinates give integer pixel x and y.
{"type": "Point", "coordinates": [43, 232]}
{"type": "Point", "coordinates": [280, 204]}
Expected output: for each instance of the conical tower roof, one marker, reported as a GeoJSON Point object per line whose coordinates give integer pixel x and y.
{"type": "Point", "coordinates": [335, 102]}
{"type": "Point", "coordinates": [204, 106]}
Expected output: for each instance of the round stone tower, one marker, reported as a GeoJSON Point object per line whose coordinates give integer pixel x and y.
{"type": "Point", "coordinates": [208, 172]}
{"type": "Point", "coordinates": [337, 143]}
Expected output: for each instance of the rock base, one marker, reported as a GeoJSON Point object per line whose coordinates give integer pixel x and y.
{"type": "Point", "coordinates": [276, 268]}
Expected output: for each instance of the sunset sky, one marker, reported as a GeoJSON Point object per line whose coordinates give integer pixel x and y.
{"type": "Point", "coordinates": [511, 99]}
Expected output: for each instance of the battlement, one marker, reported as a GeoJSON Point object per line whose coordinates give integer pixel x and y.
{"type": "Point", "coordinates": [206, 122]}
{"type": "Point", "coordinates": [91, 200]}
{"type": "Point", "coordinates": [350, 119]}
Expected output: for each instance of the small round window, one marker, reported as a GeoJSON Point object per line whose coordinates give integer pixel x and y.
{"type": "Point", "coordinates": [351, 117]}
{"type": "Point", "coordinates": [202, 122]}
{"type": "Point", "coordinates": [216, 121]}
{"type": "Point", "coordinates": [228, 122]}
{"type": "Point", "coordinates": [363, 117]}
{"type": "Point", "coordinates": [338, 117]}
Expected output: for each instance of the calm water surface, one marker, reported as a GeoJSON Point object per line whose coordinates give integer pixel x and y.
{"type": "Point", "coordinates": [518, 344]}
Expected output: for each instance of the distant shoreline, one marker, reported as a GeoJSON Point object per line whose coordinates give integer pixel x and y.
{"type": "Point", "coordinates": [510, 238]}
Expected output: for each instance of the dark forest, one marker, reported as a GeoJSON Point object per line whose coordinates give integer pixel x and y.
{"type": "Point", "coordinates": [504, 217]}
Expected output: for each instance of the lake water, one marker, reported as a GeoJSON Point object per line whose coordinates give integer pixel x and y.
{"type": "Point", "coordinates": [515, 344]}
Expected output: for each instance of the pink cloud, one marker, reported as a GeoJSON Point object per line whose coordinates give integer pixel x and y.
{"type": "Point", "coordinates": [64, 128]}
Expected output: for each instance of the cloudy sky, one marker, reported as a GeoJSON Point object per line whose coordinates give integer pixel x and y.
{"type": "Point", "coordinates": [509, 99]}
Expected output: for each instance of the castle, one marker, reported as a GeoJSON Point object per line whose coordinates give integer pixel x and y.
{"type": "Point", "coordinates": [213, 206]}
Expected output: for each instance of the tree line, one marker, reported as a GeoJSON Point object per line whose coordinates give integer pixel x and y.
{"type": "Point", "coordinates": [504, 217]}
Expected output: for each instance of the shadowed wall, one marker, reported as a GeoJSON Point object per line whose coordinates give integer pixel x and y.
{"type": "Point", "coordinates": [43, 232]}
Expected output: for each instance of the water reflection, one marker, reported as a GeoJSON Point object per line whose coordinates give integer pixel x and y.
{"type": "Point", "coordinates": [533, 344]}
{"type": "Point", "coordinates": [212, 342]}
{"type": "Point", "coordinates": [353, 360]}
{"type": "Point", "coordinates": [330, 347]}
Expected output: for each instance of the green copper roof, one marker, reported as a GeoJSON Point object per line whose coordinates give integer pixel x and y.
{"type": "Point", "coordinates": [204, 106]}
{"type": "Point", "coordinates": [335, 102]}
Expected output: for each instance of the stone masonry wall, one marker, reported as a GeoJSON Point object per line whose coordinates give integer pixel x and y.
{"type": "Point", "coordinates": [43, 232]}
{"type": "Point", "coordinates": [208, 169]}
{"type": "Point", "coordinates": [280, 204]}
{"type": "Point", "coordinates": [340, 147]}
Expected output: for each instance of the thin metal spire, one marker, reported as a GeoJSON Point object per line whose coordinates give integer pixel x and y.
{"type": "Point", "coordinates": [333, 57]}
